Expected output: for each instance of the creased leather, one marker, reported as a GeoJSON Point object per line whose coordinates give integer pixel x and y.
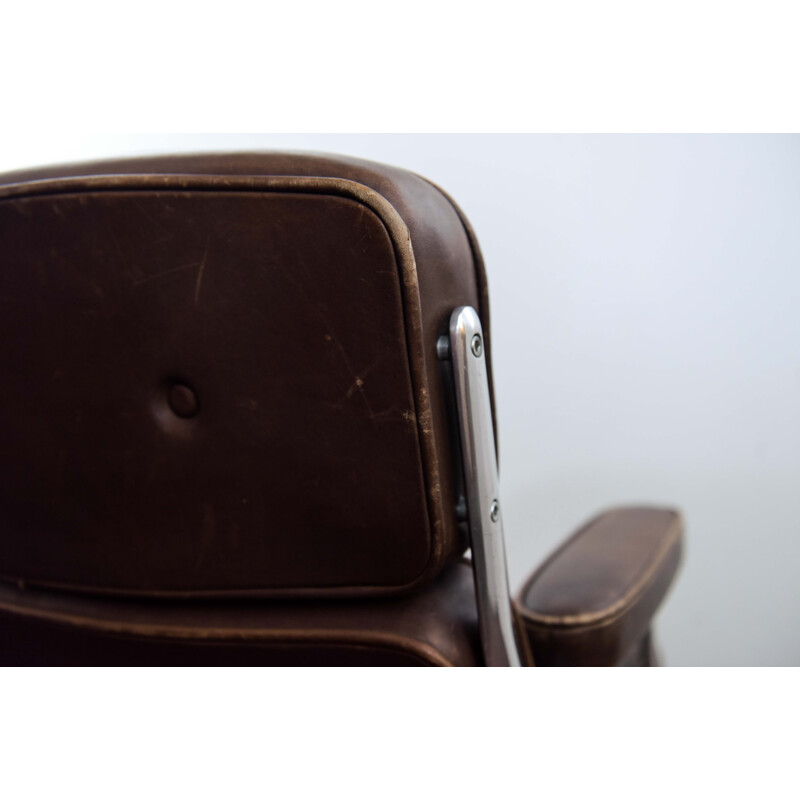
{"type": "Point", "coordinates": [435, 626]}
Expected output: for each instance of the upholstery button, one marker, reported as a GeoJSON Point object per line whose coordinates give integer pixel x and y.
{"type": "Point", "coordinates": [182, 400]}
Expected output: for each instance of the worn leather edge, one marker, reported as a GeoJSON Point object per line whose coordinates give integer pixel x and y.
{"type": "Point", "coordinates": [672, 541]}
{"type": "Point", "coordinates": [437, 624]}
{"type": "Point", "coordinates": [566, 646]}
{"type": "Point", "coordinates": [482, 282]}
{"type": "Point", "coordinates": [381, 640]}
{"type": "Point", "coordinates": [401, 240]}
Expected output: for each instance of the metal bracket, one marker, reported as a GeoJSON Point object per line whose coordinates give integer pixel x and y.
{"type": "Point", "coordinates": [466, 351]}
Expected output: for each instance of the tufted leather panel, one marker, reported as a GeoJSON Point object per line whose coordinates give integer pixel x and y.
{"type": "Point", "coordinates": [220, 376]}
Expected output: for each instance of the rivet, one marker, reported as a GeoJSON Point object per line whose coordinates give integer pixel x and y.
{"type": "Point", "coordinates": [494, 511]}
{"type": "Point", "coordinates": [477, 345]}
{"type": "Point", "coordinates": [182, 400]}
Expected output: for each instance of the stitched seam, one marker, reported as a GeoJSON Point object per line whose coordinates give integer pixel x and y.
{"type": "Point", "coordinates": [619, 607]}
{"type": "Point", "coordinates": [400, 238]}
{"type": "Point", "coordinates": [169, 632]}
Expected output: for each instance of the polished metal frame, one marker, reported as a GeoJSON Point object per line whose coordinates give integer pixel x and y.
{"type": "Point", "coordinates": [467, 353]}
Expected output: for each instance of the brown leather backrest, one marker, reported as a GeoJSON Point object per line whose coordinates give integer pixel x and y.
{"type": "Point", "coordinates": [219, 375]}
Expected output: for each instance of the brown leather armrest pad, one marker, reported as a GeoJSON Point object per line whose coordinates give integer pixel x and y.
{"type": "Point", "coordinates": [594, 598]}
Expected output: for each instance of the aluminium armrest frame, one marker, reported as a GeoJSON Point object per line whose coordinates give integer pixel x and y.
{"type": "Point", "coordinates": [466, 351]}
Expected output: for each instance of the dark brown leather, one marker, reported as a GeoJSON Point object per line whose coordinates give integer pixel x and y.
{"type": "Point", "coordinates": [643, 654]}
{"type": "Point", "coordinates": [592, 602]}
{"type": "Point", "coordinates": [220, 376]}
{"type": "Point", "coordinates": [221, 391]}
{"type": "Point", "coordinates": [436, 626]}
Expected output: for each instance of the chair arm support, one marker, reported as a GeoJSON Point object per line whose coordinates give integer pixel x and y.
{"type": "Point", "coordinates": [592, 601]}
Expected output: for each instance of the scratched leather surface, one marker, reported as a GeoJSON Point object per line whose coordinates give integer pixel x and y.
{"type": "Point", "coordinates": [318, 459]}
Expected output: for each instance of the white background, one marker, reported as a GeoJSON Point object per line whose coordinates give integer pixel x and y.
{"type": "Point", "coordinates": [644, 298]}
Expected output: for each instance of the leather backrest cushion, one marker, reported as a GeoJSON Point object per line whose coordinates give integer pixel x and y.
{"type": "Point", "coordinates": [215, 387]}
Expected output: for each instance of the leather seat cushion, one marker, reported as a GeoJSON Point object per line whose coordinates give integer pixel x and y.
{"type": "Point", "coordinates": [436, 626]}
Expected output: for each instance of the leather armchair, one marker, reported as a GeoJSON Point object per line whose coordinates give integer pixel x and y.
{"type": "Point", "coordinates": [246, 419]}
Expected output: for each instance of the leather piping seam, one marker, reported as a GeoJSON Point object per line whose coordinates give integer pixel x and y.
{"type": "Point", "coordinates": [240, 635]}
{"type": "Point", "coordinates": [620, 606]}
{"type": "Point", "coordinates": [400, 237]}
{"type": "Point", "coordinates": [482, 285]}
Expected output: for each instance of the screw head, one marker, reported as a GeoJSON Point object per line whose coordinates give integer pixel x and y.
{"type": "Point", "coordinates": [494, 511]}
{"type": "Point", "coordinates": [477, 345]}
